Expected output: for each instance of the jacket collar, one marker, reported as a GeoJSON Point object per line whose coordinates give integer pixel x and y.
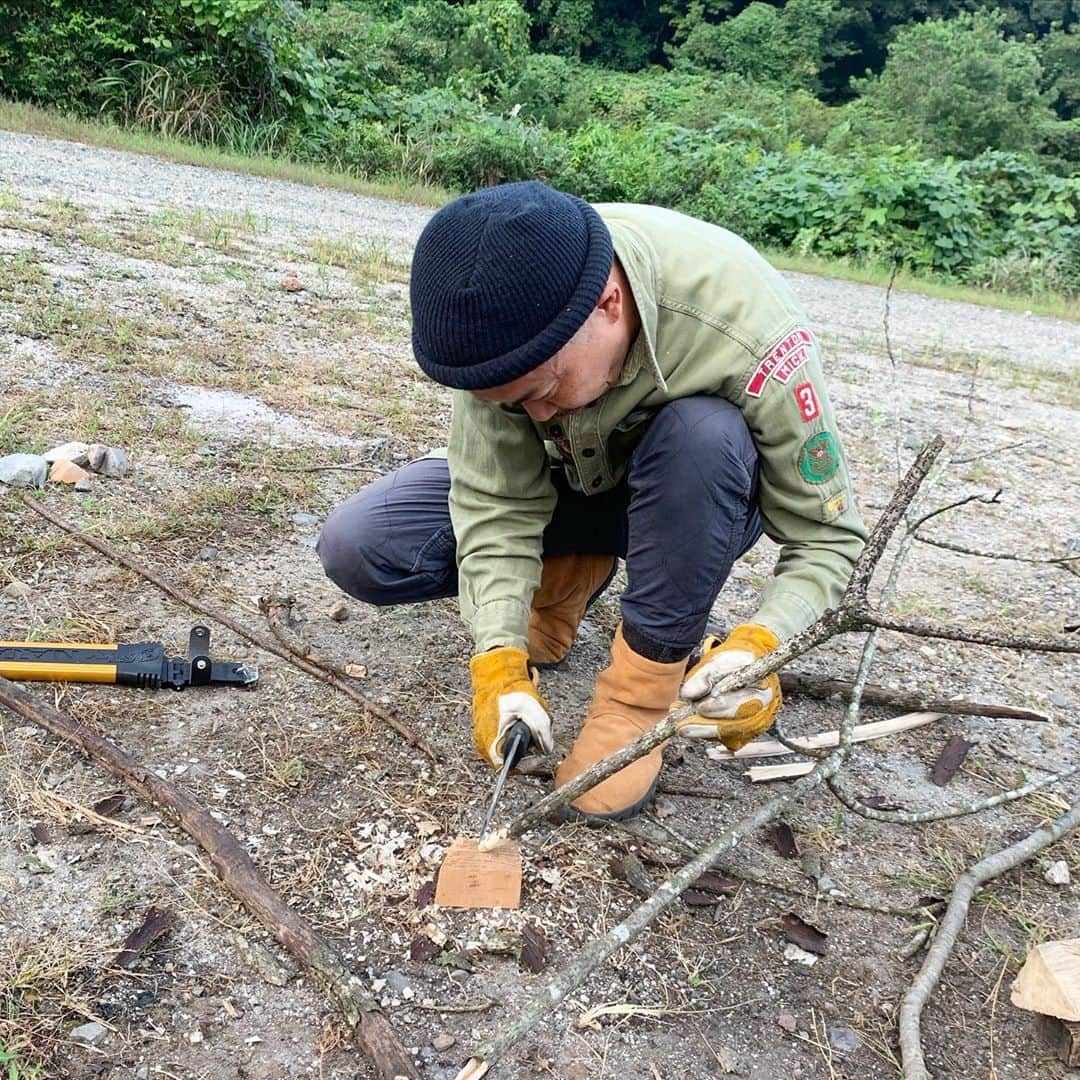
{"type": "Point", "coordinates": [637, 260]}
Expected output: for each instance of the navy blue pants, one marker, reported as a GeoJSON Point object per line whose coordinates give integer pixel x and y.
{"type": "Point", "coordinates": [686, 510]}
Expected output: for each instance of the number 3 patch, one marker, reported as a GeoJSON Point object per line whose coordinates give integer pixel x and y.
{"type": "Point", "coordinates": [809, 409]}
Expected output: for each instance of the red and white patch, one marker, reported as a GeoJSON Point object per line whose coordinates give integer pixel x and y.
{"type": "Point", "coordinates": [809, 409]}
{"type": "Point", "coordinates": [783, 360]}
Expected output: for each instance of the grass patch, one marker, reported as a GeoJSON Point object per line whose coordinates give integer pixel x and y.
{"type": "Point", "coordinates": [867, 273]}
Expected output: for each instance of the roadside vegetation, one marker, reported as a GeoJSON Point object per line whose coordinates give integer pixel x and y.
{"type": "Point", "coordinates": [943, 137]}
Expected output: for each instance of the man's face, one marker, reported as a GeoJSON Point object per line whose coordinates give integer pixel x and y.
{"type": "Point", "coordinates": [590, 362]}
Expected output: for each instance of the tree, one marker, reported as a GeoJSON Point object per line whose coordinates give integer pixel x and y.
{"type": "Point", "coordinates": [959, 87]}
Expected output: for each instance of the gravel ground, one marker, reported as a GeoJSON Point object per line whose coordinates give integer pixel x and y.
{"type": "Point", "coordinates": [207, 322]}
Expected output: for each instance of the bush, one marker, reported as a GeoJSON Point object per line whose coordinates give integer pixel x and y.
{"type": "Point", "coordinates": [958, 87]}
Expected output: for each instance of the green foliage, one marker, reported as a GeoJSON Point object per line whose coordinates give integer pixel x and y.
{"type": "Point", "coordinates": [786, 46]}
{"type": "Point", "coordinates": [1059, 53]}
{"type": "Point", "coordinates": [959, 87]}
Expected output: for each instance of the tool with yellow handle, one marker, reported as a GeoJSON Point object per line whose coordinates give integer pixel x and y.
{"type": "Point", "coordinates": [143, 664]}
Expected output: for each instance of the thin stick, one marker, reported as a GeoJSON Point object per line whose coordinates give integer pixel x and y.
{"type": "Point", "coordinates": [1059, 560]}
{"type": "Point", "coordinates": [988, 499]}
{"type": "Point", "coordinates": [239, 875]}
{"type": "Point", "coordinates": [905, 817]}
{"type": "Point", "coordinates": [951, 924]}
{"type": "Point", "coordinates": [309, 664]}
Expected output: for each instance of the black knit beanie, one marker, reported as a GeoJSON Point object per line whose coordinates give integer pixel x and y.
{"type": "Point", "coordinates": [502, 279]}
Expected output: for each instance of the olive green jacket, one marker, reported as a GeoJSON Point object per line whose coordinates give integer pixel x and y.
{"type": "Point", "coordinates": [715, 319]}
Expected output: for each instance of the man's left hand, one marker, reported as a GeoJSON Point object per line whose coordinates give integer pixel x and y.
{"type": "Point", "coordinates": [737, 716]}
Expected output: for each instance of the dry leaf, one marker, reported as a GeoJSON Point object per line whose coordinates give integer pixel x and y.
{"type": "Point", "coordinates": [783, 839]}
{"type": "Point", "coordinates": [801, 933]}
{"type": "Point", "coordinates": [949, 760]}
{"type": "Point", "coordinates": [109, 805]}
{"type": "Point", "coordinates": [422, 949]}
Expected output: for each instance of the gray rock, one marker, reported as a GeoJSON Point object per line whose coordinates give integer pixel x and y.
{"type": "Point", "coordinates": [208, 554]}
{"type": "Point", "coordinates": [85, 484]}
{"type": "Point", "coordinates": [1057, 873]}
{"type": "Point", "coordinates": [23, 470]}
{"type": "Point", "coordinates": [305, 519]}
{"type": "Point", "coordinates": [843, 1039]}
{"type": "Point", "coordinates": [108, 461]}
{"type": "Point", "coordinates": [787, 1021]}
{"type": "Point", "coordinates": [1058, 699]}
{"type": "Point", "coordinates": [19, 589]}
{"type": "Point", "coordinates": [443, 1041]}
{"type": "Point", "coordinates": [89, 1034]}
{"type": "Point", "coordinates": [397, 981]}
{"type": "Point", "coordinates": [75, 452]}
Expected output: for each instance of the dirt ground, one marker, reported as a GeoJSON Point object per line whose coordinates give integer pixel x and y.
{"type": "Point", "coordinates": [235, 335]}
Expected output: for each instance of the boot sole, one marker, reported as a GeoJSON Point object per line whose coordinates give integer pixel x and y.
{"type": "Point", "coordinates": [570, 814]}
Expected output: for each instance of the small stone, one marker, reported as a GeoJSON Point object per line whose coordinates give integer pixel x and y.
{"type": "Point", "coordinates": [912, 442]}
{"type": "Point", "coordinates": [338, 611]}
{"type": "Point", "coordinates": [787, 1021]}
{"type": "Point", "coordinates": [84, 484]}
{"type": "Point", "coordinates": [75, 452]}
{"type": "Point", "coordinates": [195, 1037]}
{"type": "Point", "coordinates": [305, 519]}
{"type": "Point", "coordinates": [23, 470]}
{"type": "Point", "coordinates": [1058, 699]}
{"type": "Point", "coordinates": [208, 554]}
{"type": "Point", "coordinates": [19, 589]}
{"type": "Point", "coordinates": [443, 1041]}
{"type": "Point", "coordinates": [843, 1039]}
{"type": "Point", "coordinates": [290, 282]}
{"type": "Point", "coordinates": [800, 956]}
{"type": "Point", "coordinates": [89, 1034]}
{"type": "Point", "coordinates": [1057, 873]}
{"type": "Point", "coordinates": [108, 461]}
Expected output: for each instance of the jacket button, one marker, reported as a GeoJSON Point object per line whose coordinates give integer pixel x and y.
{"type": "Point", "coordinates": [556, 432]}
{"type": "Point", "coordinates": [588, 452]}
{"type": "Point", "coordinates": [597, 481]}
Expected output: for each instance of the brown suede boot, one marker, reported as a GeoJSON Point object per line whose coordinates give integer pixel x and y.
{"type": "Point", "coordinates": [567, 585]}
{"type": "Point", "coordinates": [631, 696]}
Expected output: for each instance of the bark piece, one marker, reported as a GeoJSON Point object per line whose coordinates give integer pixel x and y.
{"type": "Point", "coordinates": [799, 932]}
{"type": "Point", "coordinates": [949, 760]}
{"type": "Point", "coordinates": [470, 878]}
{"type": "Point", "coordinates": [67, 472]}
{"type": "Point", "coordinates": [533, 949]}
{"type": "Point", "coordinates": [1069, 1043]}
{"type": "Point", "coordinates": [156, 924]}
{"type": "Point", "coordinates": [1049, 981]}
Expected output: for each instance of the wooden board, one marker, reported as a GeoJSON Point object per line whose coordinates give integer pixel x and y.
{"type": "Point", "coordinates": [480, 879]}
{"type": "Point", "coordinates": [1049, 981]}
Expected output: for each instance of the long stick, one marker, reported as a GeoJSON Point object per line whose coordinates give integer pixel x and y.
{"type": "Point", "coordinates": [375, 1034]}
{"type": "Point", "coordinates": [309, 663]}
{"type": "Point", "coordinates": [818, 686]}
{"type": "Point", "coordinates": [951, 924]}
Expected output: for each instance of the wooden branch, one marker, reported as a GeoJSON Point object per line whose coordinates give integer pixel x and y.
{"type": "Point", "coordinates": [794, 683]}
{"type": "Point", "coordinates": [905, 817]}
{"type": "Point", "coordinates": [947, 545]}
{"type": "Point", "coordinates": [988, 499]}
{"type": "Point", "coordinates": [952, 923]}
{"type": "Point", "coordinates": [308, 663]}
{"type": "Point", "coordinates": [921, 628]}
{"type": "Point", "coordinates": [374, 1032]}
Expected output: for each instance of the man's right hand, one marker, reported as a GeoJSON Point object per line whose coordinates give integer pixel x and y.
{"type": "Point", "coordinates": [504, 691]}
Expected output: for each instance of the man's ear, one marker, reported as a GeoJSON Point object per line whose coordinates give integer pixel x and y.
{"type": "Point", "coordinates": [612, 302]}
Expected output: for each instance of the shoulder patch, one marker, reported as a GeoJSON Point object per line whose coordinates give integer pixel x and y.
{"type": "Point", "coordinates": [782, 361]}
{"type": "Point", "coordinates": [819, 458]}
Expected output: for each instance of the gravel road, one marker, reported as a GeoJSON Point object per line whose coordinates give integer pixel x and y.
{"type": "Point", "coordinates": [113, 180]}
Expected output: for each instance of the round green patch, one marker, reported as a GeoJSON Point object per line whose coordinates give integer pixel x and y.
{"type": "Point", "coordinates": [819, 458]}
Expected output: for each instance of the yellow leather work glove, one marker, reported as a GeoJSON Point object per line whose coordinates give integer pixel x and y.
{"type": "Point", "coordinates": [739, 715]}
{"type": "Point", "coordinates": [504, 691]}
